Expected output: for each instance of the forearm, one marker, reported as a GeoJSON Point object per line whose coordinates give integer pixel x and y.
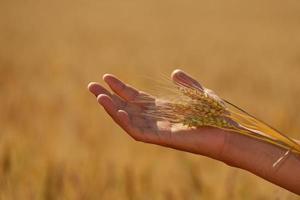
{"type": "Point", "coordinates": [288, 174]}
{"type": "Point", "coordinates": [258, 158]}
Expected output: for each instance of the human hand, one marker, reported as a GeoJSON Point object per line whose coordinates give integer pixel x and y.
{"type": "Point", "coordinates": [126, 104]}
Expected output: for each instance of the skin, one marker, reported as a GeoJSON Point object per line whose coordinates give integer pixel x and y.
{"type": "Point", "coordinates": [123, 105]}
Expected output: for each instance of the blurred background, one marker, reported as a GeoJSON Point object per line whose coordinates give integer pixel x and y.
{"type": "Point", "coordinates": [57, 143]}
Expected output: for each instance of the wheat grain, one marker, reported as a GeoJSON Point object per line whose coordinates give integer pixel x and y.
{"type": "Point", "coordinates": [197, 108]}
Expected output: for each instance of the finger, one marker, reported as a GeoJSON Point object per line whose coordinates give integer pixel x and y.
{"type": "Point", "coordinates": [123, 90]}
{"type": "Point", "coordinates": [97, 89]}
{"type": "Point", "coordinates": [125, 123]}
{"type": "Point", "coordinates": [182, 78]}
{"type": "Point", "coordinates": [121, 119]}
{"type": "Point", "coordinates": [108, 105]}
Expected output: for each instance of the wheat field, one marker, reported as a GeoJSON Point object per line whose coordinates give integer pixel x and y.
{"type": "Point", "coordinates": [57, 143]}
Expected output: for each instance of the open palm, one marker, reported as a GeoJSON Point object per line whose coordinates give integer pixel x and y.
{"type": "Point", "coordinates": [126, 104]}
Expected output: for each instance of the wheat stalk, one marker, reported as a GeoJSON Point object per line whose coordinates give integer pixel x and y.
{"type": "Point", "coordinates": [197, 107]}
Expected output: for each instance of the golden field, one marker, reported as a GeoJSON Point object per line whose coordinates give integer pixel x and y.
{"type": "Point", "coordinates": [57, 143]}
